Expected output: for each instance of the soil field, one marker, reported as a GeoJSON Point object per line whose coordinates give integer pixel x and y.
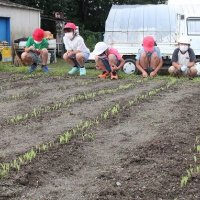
{"type": "Point", "coordinates": [132, 138]}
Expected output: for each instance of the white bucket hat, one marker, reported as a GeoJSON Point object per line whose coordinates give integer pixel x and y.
{"type": "Point", "coordinates": [100, 47]}
{"type": "Point", "coordinates": [184, 40]}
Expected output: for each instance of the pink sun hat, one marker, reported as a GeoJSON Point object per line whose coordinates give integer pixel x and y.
{"type": "Point", "coordinates": [148, 43]}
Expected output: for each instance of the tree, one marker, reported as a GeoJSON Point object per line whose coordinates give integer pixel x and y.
{"type": "Point", "coordinates": [88, 14]}
{"type": "Point", "coordinates": [92, 14]}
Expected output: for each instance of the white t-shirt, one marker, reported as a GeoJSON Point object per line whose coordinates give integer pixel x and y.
{"type": "Point", "coordinates": [77, 44]}
{"type": "Point", "coordinates": [183, 59]}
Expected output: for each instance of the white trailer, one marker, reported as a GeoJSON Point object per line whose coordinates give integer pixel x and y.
{"type": "Point", "coordinates": [127, 25]}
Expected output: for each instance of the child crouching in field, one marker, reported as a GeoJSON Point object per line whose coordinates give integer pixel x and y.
{"type": "Point", "coordinates": [77, 52]}
{"type": "Point", "coordinates": [149, 59]}
{"type": "Point", "coordinates": [36, 51]}
{"type": "Point", "coordinates": [183, 60]}
{"type": "Point", "coordinates": [107, 59]}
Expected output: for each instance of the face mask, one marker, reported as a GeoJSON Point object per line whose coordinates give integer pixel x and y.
{"type": "Point", "coordinates": [69, 35]}
{"type": "Point", "coordinates": [37, 42]}
{"type": "Point", "coordinates": [183, 48]}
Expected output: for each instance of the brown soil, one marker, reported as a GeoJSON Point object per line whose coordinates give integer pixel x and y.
{"type": "Point", "coordinates": [141, 153]}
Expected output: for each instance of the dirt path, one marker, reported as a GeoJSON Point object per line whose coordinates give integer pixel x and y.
{"type": "Point", "coordinates": [139, 154]}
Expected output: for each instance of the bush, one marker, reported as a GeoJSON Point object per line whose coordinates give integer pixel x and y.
{"type": "Point", "coordinates": [91, 38]}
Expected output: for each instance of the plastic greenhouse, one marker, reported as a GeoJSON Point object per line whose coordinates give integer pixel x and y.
{"type": "Point", "coordinates": [126, 26]}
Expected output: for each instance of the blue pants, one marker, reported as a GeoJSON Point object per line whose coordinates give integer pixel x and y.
{"type": "Point", "coordinates": [105, 62]}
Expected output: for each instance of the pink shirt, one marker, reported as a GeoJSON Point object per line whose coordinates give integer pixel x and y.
{"type": "Point", "coordinates": [115, 52]}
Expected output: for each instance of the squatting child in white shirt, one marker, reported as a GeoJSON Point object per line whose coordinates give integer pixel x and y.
{"type": "Point", "coordinates": [77, 52]}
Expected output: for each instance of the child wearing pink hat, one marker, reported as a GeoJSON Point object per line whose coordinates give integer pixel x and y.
{"type": "Point", "coordinates": [76, 51]}
{"type": "Point", "coordinates": [36, 51]}
{"type": "Point", "coordinates": [149, 59]}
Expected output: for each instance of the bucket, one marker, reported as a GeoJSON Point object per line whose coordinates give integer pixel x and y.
{"type": "Point", "coordinates": [6, 54]}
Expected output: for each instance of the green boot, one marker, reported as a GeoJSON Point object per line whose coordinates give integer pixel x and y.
{"type": "Point", "coordinates": [82, 71]}
{"type": "Point", "coordinates": [73, 71]}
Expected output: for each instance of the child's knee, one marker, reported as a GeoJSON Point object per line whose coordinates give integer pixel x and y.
{"type": "Point", "coordinates": [79, 56]}
{"type": "Point", "coordinates": [193, 70]}
{"type": "Point", "coordinates": [44, 51]}
{"type": "Point", "coordinates": [65, 56]}
{"type": "Point", "coordinates": [24, 56]}
{"type": "Point", "coordinates": [155, 56]}
{"type": "Point", "coordinates": [143, 55]}
{"type": "Point", "coordinates": [171, 70]}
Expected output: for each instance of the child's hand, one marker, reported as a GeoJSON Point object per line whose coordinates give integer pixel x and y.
{"type": "Point", "coordinates": [114, 68]}
{"type": "Point", "coordinates": [37, 51]}
{"type": "Point", "coordinates": [144, 74]}
{"type": "Point", "coordinates": [31, 48]}
{"type": "Point", "coordinates": [153, 74]}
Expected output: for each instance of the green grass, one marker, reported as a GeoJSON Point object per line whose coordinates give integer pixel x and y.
{"type": "Point", "coordinates": [58, 69]}
{"type": "Point", "coordinates": [61, 68]}
{"type": "Point", "coordinates": [8, 67]}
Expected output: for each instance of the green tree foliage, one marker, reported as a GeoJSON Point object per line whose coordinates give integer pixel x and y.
{"type": "Point", "coordinates": [88, 14]}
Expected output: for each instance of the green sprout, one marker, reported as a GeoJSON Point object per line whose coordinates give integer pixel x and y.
{"type": "Point", "coordinates": [184, 181]}
{"type": "Point", "coordinates": [198, 148]}
{"type": "Point", "coordinates": [83, 126]}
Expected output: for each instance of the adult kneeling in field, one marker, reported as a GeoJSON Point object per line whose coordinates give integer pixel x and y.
{"type": "Point", "coordinates": [107, 59]}
{"type": "Point", "coordinates": [77, 52]}
{"type": "Point", "coordinates": [36, 51]}
{"type": "Point", "coordinates": [183, 59]}
{"type": "Point", "coordinates": [149, 59]}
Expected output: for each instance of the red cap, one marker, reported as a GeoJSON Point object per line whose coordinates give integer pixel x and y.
{"type": "Point", "coordinates": [38, 34]}
{"type": "Point", "coordinates": [70, 25]}
{"type": "Point", "coordinates": [148, 43]}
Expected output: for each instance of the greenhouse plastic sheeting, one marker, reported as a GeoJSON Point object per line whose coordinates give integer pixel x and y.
{"type": "Point", "coordinates": [130, 23]}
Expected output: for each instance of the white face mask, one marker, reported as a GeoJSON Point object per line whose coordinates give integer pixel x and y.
{"type": "Point", "coordinates": [183, 47]}
{"type": "Point", "coordinates": [37, 42]}
{"type": "Point", "coordinates": [69, 35]}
